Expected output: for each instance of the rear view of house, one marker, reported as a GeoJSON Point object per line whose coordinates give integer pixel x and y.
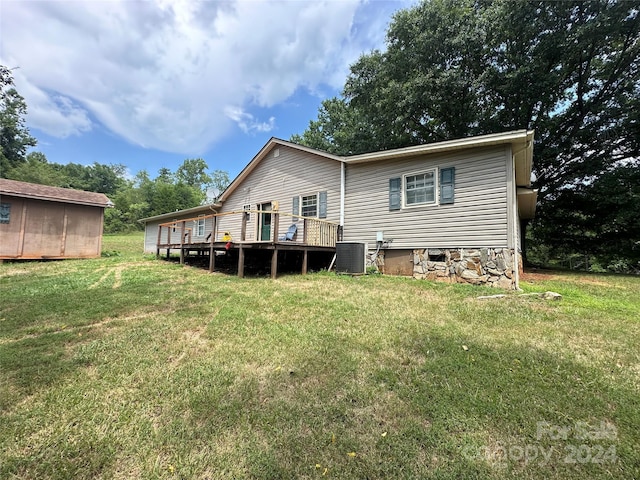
{"type": "Point", "coordinates": [42, 222]}
{"type": "Point", "coordinates": [448, 211]}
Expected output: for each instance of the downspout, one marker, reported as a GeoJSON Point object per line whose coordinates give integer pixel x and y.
{"type": "Point", "coordinates": [516, 226]}
{"type": "Point", "coordinates": [342, 191]}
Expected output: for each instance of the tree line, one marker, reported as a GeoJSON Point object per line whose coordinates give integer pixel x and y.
{"type": "Point", "coordinates": [134, 198]}
{"type": "Point", "coordinates": [570, 70]}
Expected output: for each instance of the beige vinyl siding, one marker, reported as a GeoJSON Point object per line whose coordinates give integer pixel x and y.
{"type": "Point", "coordinates": [280, 178]}
{"type": "Point", "coordinates": [151, 230]}
{"type": "Point", "coordinates": [150, 237]}
{"type": "Point", "coordinates": [478, 218]}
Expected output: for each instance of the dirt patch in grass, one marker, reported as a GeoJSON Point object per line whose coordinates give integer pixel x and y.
{"type": "Point", "coordinates": [538, 276]}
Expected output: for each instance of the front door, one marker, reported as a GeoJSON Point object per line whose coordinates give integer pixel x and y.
{"type": "Point", "coordinates": [264, 223]}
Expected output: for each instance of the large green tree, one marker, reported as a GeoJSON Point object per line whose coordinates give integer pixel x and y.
{"type": "Point", "coordinates": [14, 135]}
{"type": "Point", "coordinates": [456, 68]}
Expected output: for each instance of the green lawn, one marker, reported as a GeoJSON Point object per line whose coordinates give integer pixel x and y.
{"type": "Point", "coordinates": [129, 367]}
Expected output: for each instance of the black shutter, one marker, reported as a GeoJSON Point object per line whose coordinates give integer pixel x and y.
{"type": "Point", "coordinates": [322, 205]}
{"type": "Point", "coordinates": [395, 200]}
{"type": "Point", "coordinates": [447, 184]}
{"type": "Point", "coordinates": [295, 208]}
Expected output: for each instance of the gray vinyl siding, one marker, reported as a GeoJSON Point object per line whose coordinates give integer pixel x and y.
{"type": "Point", "coordinates": [478, 218]}
{"type": "Point", "coordinates": [279, 179]}
{"type": "Point", "coordinates": [151, 230]}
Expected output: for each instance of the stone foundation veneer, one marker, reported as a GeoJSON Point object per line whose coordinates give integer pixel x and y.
{"type": "Point", "coordinates": [480, 266]}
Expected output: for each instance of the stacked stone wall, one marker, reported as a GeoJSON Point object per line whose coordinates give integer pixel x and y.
{"type": "Point", "coordinates": [481, 266]}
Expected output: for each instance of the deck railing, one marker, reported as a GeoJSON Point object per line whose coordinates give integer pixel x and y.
{"type": "Point", "coordinates": [311, 231]}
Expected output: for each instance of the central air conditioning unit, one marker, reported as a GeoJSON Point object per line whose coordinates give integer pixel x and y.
{"type": "Point", "coordinates": [351, 257]}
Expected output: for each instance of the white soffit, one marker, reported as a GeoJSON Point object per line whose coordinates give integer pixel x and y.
{"type": "Point", "coordinates": [527, 198]}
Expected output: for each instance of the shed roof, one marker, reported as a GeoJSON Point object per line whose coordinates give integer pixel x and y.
{"type": "Point", "coordinates": [15, 188]}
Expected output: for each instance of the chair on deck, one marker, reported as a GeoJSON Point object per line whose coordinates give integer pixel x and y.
{"type": "Point", "coordinates": [290, 234]}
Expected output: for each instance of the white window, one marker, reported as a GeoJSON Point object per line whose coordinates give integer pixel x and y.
{"type": "Point", "coordinates": [200, 226]}
{"type": "Point", "coordinates": [309, 206]}
{"type": "Point", "coordinates": [420, 188]}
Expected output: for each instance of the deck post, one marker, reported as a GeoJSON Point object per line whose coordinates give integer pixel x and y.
{"type": "Point", "coordinates": [212, 252]}
{"type": "Point", "coordinates": [243, 227]}
{"type": "Point", "coordinates": [305, 260]}
{"type": "Point", "coordinates": [182, 227]}
{"type": "Point", "coordinates": [240, 262]}
{"type": "Point", "coordinates": [304, 226]}
{"type": "Point", "coordinates": [276, 224]}
{"type": "Point", "coordinates": [212, 258]}
{"type": "Point", "coordinates": [158, 242]}
{"type": "Point", "coordinates": [274, 262]}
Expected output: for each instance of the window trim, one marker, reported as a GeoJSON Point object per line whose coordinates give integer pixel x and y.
{"type": "Point", "coordinates": [316, 205]}
{"type": "Point", "coordinates": [436, 196]}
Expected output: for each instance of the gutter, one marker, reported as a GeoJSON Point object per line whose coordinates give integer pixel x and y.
{"type": "Point", "coordinates": [342, 191]}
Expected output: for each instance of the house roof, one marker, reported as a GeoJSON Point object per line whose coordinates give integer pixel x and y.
{"type": "Point", "coordinates": [521, 142]}
{"type": "Point", "coordinates": [209, 208]}
{"type": "Point", "coordinates": [15, 188]}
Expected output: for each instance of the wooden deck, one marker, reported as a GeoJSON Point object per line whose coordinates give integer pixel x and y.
{"type": "Point", "coordinates": [317, 236]}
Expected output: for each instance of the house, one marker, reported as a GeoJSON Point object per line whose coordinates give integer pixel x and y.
{"type": "Point", "coordinates": [42, 222]}
{"type": "Point", "coordinates": [447, 211]}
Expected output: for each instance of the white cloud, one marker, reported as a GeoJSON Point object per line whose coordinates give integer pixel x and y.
{"type": "Point", "coordinates": [54, 113]}
{"type": "Point", "coordinates": [247, 122]}
{"type": "Point", "coordinates": [164, 73]}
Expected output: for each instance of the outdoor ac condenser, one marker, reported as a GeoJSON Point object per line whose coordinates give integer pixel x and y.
{"type": "Point", "coordinates": [351, 257]}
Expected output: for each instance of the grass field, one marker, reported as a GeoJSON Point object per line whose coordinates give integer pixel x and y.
{"type": "Point", "coordinates": [129, 367]}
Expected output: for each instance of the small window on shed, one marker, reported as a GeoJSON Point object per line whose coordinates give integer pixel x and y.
{"type": "Point", "coordinates": [5, 212]}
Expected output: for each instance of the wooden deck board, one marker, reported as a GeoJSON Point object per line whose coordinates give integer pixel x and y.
{"type": "Point", "coordinates": [235, 245]}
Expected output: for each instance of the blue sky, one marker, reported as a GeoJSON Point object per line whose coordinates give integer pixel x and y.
{"type": "Point", "coordinates": [149, 84]}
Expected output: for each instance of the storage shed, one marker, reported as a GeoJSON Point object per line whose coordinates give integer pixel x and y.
{"type": "Point", "coordinates": [43, 222]}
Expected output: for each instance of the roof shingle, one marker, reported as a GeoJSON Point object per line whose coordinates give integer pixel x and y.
{"type": "Point", "coordinates": [56, 194]}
